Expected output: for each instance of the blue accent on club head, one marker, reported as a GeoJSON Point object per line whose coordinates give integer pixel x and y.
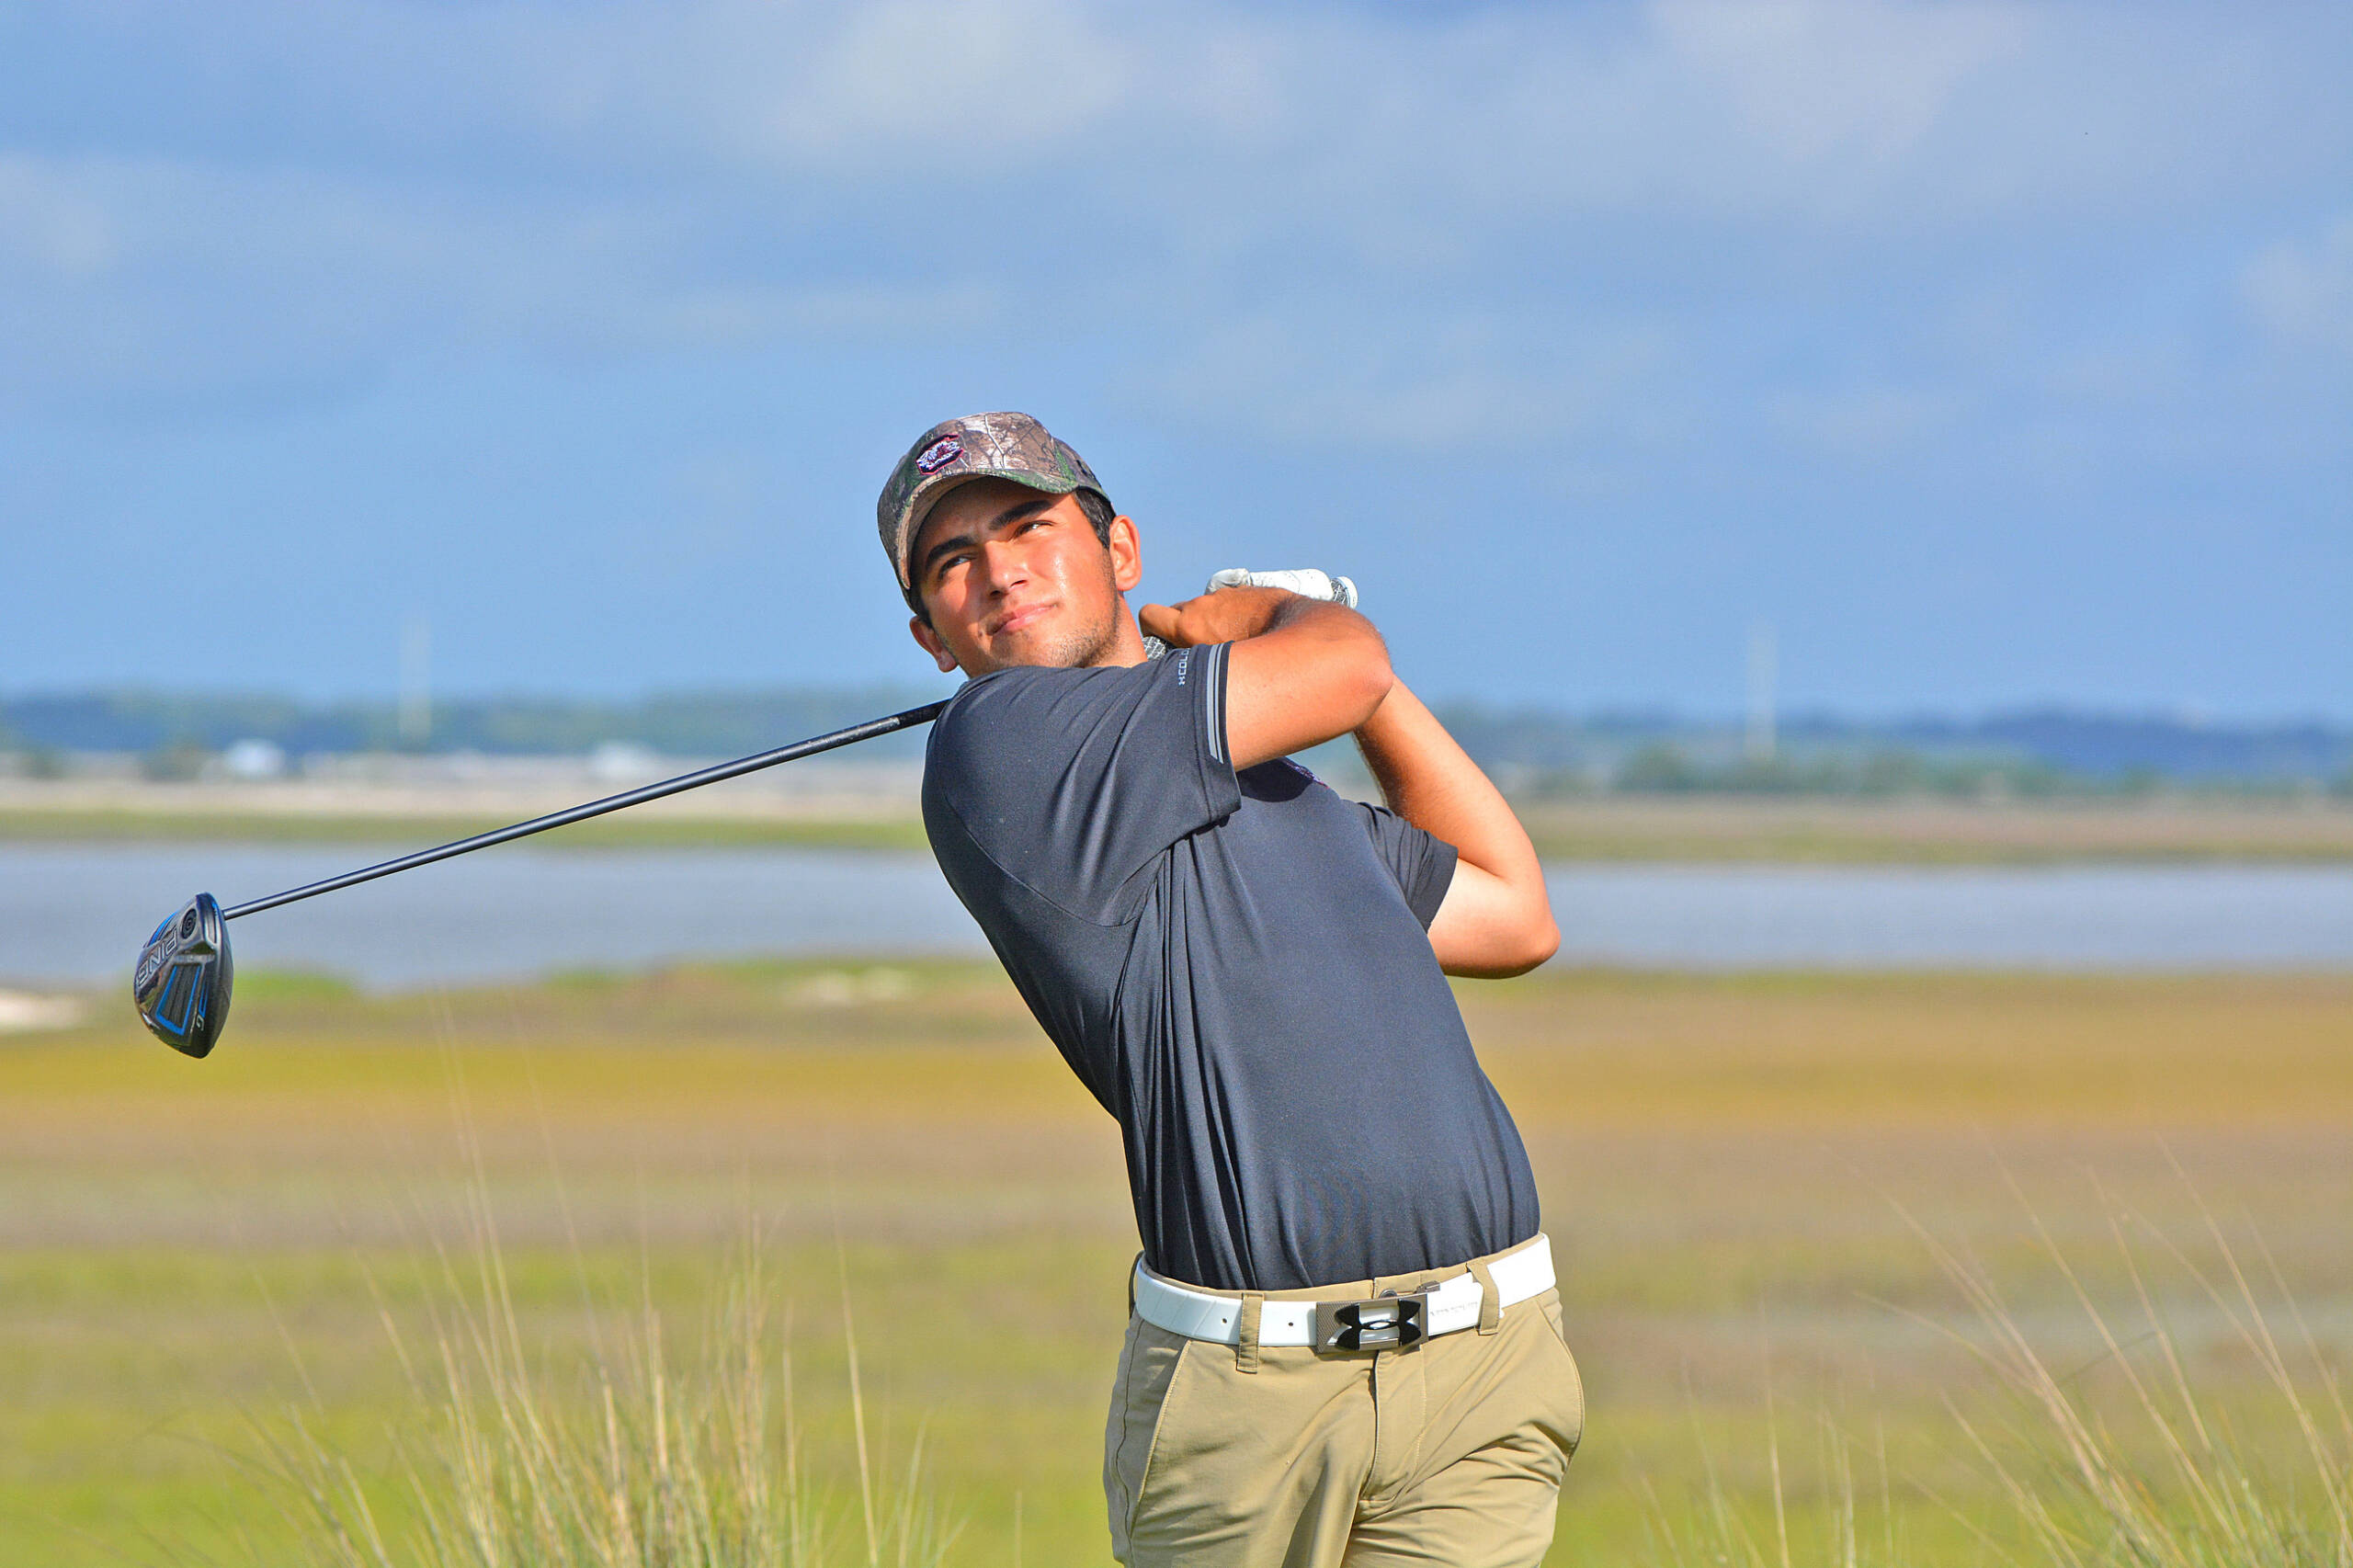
{"type": "Point", "coordinates": [186, 965]}
{"type": "Point", "coordinates": [162, 1019]}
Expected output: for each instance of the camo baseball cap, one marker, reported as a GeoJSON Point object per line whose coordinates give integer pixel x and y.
{"type": "Point", "coordinates": [979, 446]}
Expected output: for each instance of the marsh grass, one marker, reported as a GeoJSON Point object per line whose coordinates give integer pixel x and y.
{"type": "Point", "coordinates": [175, 1235]}
{"type": "Point", "coordinates": [2138, 1466]}
{"type": "Point", "coordinates": [2118, 1462]}
{"type": "Point", "coordinates": [628, 1459]}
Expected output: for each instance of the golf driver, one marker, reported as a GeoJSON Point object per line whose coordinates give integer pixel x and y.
{"type": "Point", "coordinates": [181, 983]}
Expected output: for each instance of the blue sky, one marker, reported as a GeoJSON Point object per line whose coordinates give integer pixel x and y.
{"type": "Point", "coordinates": [1991, 354]}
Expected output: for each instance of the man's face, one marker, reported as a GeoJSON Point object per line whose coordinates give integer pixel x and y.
{"type": "Point", "coordinates": [1011, 576]}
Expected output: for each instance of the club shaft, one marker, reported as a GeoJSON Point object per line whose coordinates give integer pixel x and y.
{"type": "Point", "coordinates": [736, 769]}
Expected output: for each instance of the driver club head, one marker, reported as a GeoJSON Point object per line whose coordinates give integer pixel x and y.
{"type": "Point", "coordinates": [181, 985]}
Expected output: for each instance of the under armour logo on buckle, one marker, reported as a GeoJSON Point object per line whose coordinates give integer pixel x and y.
{"type": "Point", "coordinates": [1392, 1323]}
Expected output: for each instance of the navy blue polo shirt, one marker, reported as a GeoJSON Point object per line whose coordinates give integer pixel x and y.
{"type": "Point", "coordinates": [1237, 966]}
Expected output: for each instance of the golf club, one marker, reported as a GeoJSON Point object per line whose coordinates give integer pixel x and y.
{"type": "Point", "coordinates": [181, 983]}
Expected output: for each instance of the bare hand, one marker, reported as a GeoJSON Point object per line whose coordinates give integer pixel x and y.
{"type": "Point", "coordinates": [1230, 615]}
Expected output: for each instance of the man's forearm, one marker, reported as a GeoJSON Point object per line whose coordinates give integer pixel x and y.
{"type": "Point", "coordinates": [1497, 919]}
{"type": "Point", "coordinates": [1431, 783]}
{"type": "Point", "coordinates": [1301, 671]}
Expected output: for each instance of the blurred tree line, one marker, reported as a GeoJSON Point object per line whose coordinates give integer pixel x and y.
{"type": "Point", "coordinates": [1536, 752]}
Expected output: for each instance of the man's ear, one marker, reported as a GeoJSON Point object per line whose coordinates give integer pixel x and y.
{"type": "Point", "coordinates": [932, 644]}
{"type": "Point", "coordinates": [1127, 553]}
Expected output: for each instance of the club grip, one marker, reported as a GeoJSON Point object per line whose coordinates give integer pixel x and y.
{"type": "Point", "coordinates": [1308, 581]}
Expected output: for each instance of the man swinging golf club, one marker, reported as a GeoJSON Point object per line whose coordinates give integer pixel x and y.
{"type": "Point", "coordinates": [1344, 1346]}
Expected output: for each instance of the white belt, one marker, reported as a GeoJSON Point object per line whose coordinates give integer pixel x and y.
{"type": "Point", "coordinates": [1446, 1308]}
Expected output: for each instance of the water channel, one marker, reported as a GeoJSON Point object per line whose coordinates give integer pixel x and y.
{"type": "Point", "coordinates": [76, 912]}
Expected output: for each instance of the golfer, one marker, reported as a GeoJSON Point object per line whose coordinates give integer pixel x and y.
{"type": "Point", "coordinates": [1344, 1346]}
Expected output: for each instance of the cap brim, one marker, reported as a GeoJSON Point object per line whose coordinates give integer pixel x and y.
{"type": "Point", "coordinates": [932, 491]}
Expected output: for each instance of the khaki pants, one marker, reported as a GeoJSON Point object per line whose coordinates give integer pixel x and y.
{"type": "Point", "coordinates": [1448, 1452]}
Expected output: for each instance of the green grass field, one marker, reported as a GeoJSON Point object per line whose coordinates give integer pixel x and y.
{"type": "Point", "coordinates": [189, 1248]}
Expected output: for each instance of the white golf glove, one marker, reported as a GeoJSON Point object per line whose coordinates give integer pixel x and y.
{"type": "Point", "coordinates": [1305, 581]}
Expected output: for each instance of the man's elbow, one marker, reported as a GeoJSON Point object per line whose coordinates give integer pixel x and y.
{"type": "Point", "coordinates": [1501, 953]}
{"type": "Point", "coordinates": [1534, 942]}
{"type": "Point", "coordinates": [1362, 677]}
{"type": "Point", "coordinates": [1370, 679]}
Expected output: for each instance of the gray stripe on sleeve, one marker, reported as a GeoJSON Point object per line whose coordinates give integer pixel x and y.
{"type": "Point", "coordinates": [1213, 680]}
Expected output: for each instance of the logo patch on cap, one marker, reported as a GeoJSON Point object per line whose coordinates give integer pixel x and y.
{"type": "Point", "coordinates": [939, 454]}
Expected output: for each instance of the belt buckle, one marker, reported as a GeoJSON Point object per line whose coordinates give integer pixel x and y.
{"type": "Point", "coordinates": [1384, 1322]}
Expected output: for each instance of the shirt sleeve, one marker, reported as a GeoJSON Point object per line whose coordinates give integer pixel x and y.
{"type": "Point", "coordinates": [1071, 781]}
{"type": "Point", "coordinates": [1422, 865]}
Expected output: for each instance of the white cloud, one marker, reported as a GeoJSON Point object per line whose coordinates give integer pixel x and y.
{"type": "Point", "coordinates": [48, 227]}
{"type": "Point", "coordinates": [1871, 420]}
{"type": "Point", "coordinates": [957, 87]}
{"type": "Point", "coordinates": [757, 314]}
{"type": "Point", "coordinates": [146, 276]}
{"type": "Point", "coordinates": [1720, 107]}
{"type": "Point", "coordinates": [2304, 293]}
{"type": "Point", "coordinates": [1859, 78]}
{"type": "Point", "coordinates": [345, 184]}
{"type": "Point", "coordinates": [1464, 382]}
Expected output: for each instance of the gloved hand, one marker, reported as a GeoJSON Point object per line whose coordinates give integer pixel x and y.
{"type": "Point", "coordinates": [1304, 581]}
{"type": "Point", "coordinates": [1308, 581]}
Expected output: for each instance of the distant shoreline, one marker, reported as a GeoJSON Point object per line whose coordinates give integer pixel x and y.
{"type": "Point", "coordinates": [1687, 829]}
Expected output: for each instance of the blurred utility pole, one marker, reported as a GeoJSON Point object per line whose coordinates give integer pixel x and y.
{"type": "Point", "coordinates": [1763, 661]}
{"type": "Point", "coordinates": [416, 681]}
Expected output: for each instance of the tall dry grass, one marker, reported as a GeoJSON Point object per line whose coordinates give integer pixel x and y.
{"type": "Point", "coordinates": [637, 1462]}
{"type": "Point", "coordinates": [2162, 1476]}
{"type": "Point", "coordinates": [705, 1466]}
{"type": "Point", "coordinates": [626, 1459]}
{"type": "Point", "coordinates": [2116, 1462]}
